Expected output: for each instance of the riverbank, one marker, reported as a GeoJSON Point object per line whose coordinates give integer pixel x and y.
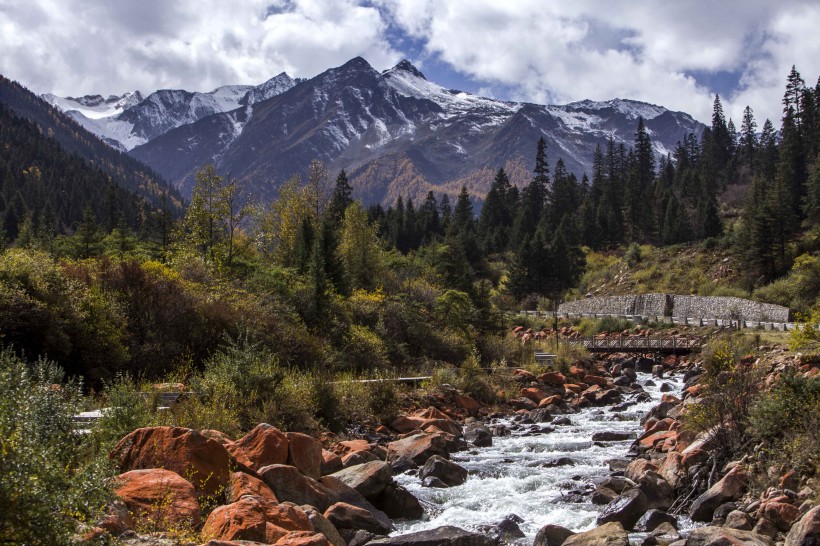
{"type": "Point", "coordinates": [552, 463]}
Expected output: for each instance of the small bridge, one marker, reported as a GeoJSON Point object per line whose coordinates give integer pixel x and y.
{"type": "Point", "coordinates": [672, 345]}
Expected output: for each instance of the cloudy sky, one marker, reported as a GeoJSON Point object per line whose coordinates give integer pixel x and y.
{"type": "Point", "coordinates": [677, 54]}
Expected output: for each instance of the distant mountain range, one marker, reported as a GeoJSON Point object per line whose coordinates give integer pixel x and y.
{"type": "Point", "coordinates": [395, 132]}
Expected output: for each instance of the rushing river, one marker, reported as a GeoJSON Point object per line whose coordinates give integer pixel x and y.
{"type": "Point", "coordinates": [507, 478]}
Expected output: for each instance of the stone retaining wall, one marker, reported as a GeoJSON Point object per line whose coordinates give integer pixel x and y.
{"type": "Point", "coordinates": [668, 305]}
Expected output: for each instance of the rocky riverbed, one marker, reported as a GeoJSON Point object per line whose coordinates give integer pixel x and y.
{"type": "Point", "coordinates": [593, 457]}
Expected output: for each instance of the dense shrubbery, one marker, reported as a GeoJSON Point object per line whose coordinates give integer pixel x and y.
{"type": "Point", "coordinates": [50, 479]}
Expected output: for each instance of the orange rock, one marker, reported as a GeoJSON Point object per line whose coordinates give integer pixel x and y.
{"type": "Point", "coordinates": [257, 519]}
{"type": "Point", "coordinates": [549, 400]}
{"type": "Point", "coordinates": [694, 456]}
{"type": "Point", "coordinates": [404, 424]}
{"type": "Point", "coordinates": [265, 445]}
{"type": "Point", "coordinates": [670, 398]}
{"type": "Point", "coordinates": [575, 371]}
{"type": "Point", "coordinates": [331, 462]}
{"type": "Point", "coordinates": [533, 393]}
{"type": "Point", "coordinates": [203, 461]}
{"type": "Point", "coordinates": [431, 413]}
{"type": "Point", "coordinates": [349, 446]}
{"type": "Point", "coordinates": [418, 447]}
{"type": "Point", "coordinates": [238, 453]}
{"type": "Point", "coordinates": [467, 403]}
{"type": "Point", "coordinates": [305, 453]}
{"type": "Point", "coordinates": [164, 497]}
{"type": "Point", "coordinates": [672, 469]}
{"type": "Point", "coordinates": [637, 467]}
{"type": "Point", "coordinates": [358, 457]}
{"type": "Point", "coordinates": [524, 375]}
{"type": "Point", "coordinates": [573, 388]}
{"type": "Point", "coordinates": [303, 538]}
{"type": "Point", "coordinates": [782, 514]}
{"type": "Point", "coordinates": [596, 380]}
{"type": "Point", "coordinates": [553, 378]}
{"type": "Point", "coordinates": [242, 484]}
{"type": "Point", "coordinates": [649, 441]}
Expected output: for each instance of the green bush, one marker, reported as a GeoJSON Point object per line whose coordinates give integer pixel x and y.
{"type": "Point", "coordinates": [49, 481]}
{"type": "Point", "coordinates": [125, 408]}
{"type": "Point", "coordinates": [613, 324]}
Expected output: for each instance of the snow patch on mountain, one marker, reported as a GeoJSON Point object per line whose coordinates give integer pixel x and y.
{"type": "Point", "coordinates": [95, 106]}
{"type": "Point", "coordinates": [131, 120]}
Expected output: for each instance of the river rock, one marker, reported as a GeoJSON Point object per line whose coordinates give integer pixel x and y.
{"type": "Point", "coordinates": [523, 403]}
{"type": "Point", "coordinates": [369, 479]}
{"type": "Point", "coordinates": [254, 518]}
{"type": "Point", "coordinates": [637, 467]}
{"type": "Point", "coordinates": [346, 516]}
{"type": "Point", "coordinates": [344, 493]}
{"type": "Point", "coordinates": [627, 509]}
{"type": "Point", "coordinates": [418, 448]}
{"type": "Point", "coordinates": [552, 535]}
{"type": "Point", "coordinates": [305, 453]}
{"type": "Point", "coordinates": [609, 534]}
{"type": "Point", "coordinates": [301, 538]}
{"type": "Point", "coordinates": [603, 496]}
{"type": "Point", "coordinates": [331, 462]}
{"type": "Point", "coordinates": [765, 527]}
{"type": "Point", "coordinates": [781, 514]}
{"type": "Point", "coordinates": [242, 484]}
{"type": "Point", "coordinates": [322, 525]}
{"type": "Point", "coordinates": [397, 502]}
{"type": "Point", "coordinates": [265, 445]}
{"type": "Point", "coordinates": [612, 436]}
{"type": "Point", "coordinates": [619, 484]}
{"type": "Point", "coordinates": [541, 415]}
{"type": "Point", "coordinates": [447, 471]}
{"type": "Point", "coordinates": [356, 458]}
{"type": "Point", "coordinates": [432, 481]}
{"type": "Point", "coordinates": [806, 532]}
{"type": "Point", "coordinates": [629, 373]}
{"type": "Point", "coordinates": [722, 536]}
{"type": "Point", "coordinates": [290, 485]}
{"type": "Point", "coordinates": [201, 460]}
{"type": "Point", "coordinates": [441, 536]}
{"type": "Point", "coordinates": [162, 496]}
{"type": "Point", "coordinates": [357, 537]}
{"type": "Point", "coordinates": [659, 493]}
{"type": "Point", "coordinates": [554, 379]}
{"type": "Point", "coordinates": [653, 518]}
{"type": "Point", "coordinates": [478, 435]}
{"type": "Point", "coordinates": [737, 519]}
{"type": "Point", "coordinates": [729, 488]}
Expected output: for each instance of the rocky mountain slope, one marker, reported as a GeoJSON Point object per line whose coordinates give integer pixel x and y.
{"type": "Point", "coordinates": [395, 133]}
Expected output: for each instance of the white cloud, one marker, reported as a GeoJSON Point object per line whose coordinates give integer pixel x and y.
{"type": "Point", "coordinates": [530, 49]}
{"type": "Point", "coordinates": [568, 51]}
{"type": "Point", "coordinates": [77, 47]}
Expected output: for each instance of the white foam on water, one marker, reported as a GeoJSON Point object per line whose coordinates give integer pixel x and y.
{"type": "Point", "coordinates": [504, 481]}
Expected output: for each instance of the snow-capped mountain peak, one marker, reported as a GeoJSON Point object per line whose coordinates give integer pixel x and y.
{"type": "Point", "coordinates": [95, 106]}
{"type": "Point", "coordinates": [131, 119]}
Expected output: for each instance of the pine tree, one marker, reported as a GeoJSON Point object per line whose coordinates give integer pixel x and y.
{"type": "Point", "coordinates": [429, 218]}
{"type": "Point", "coordinates": [748, 138]}
{"type": "Point", "coordinates": [793, 95]}
{"type": "Point", "coordinates": [87, 235]}
{"type": "Point", "coordinates": [341, 197]}
{"type": "Point", "coordinates": [496, 217]}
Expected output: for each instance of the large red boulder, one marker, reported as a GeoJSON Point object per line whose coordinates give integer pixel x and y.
{"type": "Point", "coordinates": [305, 453]}
{"type": "Point", "coordinates": [806, 532]}
{"type": "Point", "coordinates": [290, 485]}
{"type": "Point", "coordinates": [331, 462]}
{"type": "Point", "coordinates": [346, 516]}
{"type": "Point", "coordinates": [729, 488]}
{"type": "Point", "coordinates": [781, 514]}
{"type": "Point", "coordinates": [303, 538]}
{"type": "Point", "coordinates": [162, 497]}
{"type": "Point", "coordinates": [418, 448]}
{"type": "Point", "coordinates": [637, 467]}
{"type": "Point", "coordinates": [533, 393]}
{"type": "Point", "coordinates": [265, 445]}
{"type": "Point", "coordinates": [202, 461]}
{"type": "Point", "coordinates": [556, 379]}
{"type": "Point", "coordinates": [242, 484]}
{"type": "Point", "coordinates": [257, 519]}
{"type": "Point", "coordinates": [349, 446]}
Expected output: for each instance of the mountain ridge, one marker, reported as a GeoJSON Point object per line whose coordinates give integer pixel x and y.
{"type": "Point", "coordinates": [352, 115]}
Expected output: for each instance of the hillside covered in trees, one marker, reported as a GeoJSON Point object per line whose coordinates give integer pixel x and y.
{"type": "Point", "coordinates": [323, 282]}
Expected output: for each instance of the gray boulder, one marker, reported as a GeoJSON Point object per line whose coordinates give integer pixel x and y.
{"type": "Point", "coordinates": [441, 536]}
{"type": "Point", "coordinates": [447, 471]}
